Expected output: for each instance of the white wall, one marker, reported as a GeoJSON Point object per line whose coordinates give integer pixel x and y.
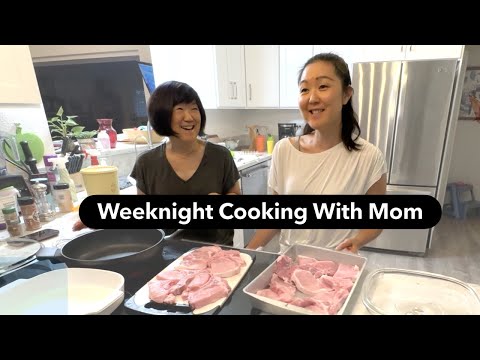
{"type": "Point", "coordinates": [31, 117]}
{"type": "Point", "coordinates": [465, 163]}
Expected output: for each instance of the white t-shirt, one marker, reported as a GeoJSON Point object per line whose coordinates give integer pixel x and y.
{"type": "Point", "coordinates": [335, 171]}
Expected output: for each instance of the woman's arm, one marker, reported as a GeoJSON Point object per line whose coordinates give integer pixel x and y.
{"type": "Point", "coordinates": [235, 189]}
{"type": "Point", "coordinates": [364, 236]}
{"type": "Point", "coordinates": [262, 237]}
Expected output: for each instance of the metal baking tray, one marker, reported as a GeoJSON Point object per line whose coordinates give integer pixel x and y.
{"type": "Point", "coordinates": [280, 308]}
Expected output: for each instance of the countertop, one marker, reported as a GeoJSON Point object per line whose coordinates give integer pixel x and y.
{"type": "Point", "coordinates": [245, 159]}
{"type": "Point", "coordinates": [237, 304]}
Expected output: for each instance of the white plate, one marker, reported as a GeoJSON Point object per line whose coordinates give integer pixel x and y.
{"type": "Point", "coordinates": [16, 251]}
{"type": "Point", "coordinates": [72, 291]}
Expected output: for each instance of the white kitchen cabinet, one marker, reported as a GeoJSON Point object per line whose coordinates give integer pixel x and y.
{"type": "Point", "coordinates": [192, 64]}
{"type": "Point", "coordinates": [371, 53]}
{"type": "Point", "coordinates": [420, 52]}
{"type": "Point", "coordinates": [292, 58]}
{"type": "Point", "coordinates": [230, 67]}
{"type": "Point", "coordinates": [18, 82]}
{"type": "Point", "coordinates": [261, 76]}
{"type": "Point", "coordinates": [350, 53]}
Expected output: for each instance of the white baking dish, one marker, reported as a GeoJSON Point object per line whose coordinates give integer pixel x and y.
{"type": "Point", "coordinates": [280, 308]}
{"type": "Point", "coordinates": [72, 291]}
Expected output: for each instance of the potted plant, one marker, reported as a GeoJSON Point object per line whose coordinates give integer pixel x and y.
{"type": "Point", "coordinates": [68, 130]}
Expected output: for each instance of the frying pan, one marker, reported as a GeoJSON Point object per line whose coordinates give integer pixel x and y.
{"type": "Point", "coordinates": [121, 250]}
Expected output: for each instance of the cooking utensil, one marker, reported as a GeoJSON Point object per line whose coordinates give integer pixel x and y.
{"type": "Point", "coordinates": [29, 159]}
{"type": "Point", "coordinates": [120, 250]}
{"type": "Point", "coordinates": [10, 152]}
{"type": "Point", "coordinates": [34, 142]}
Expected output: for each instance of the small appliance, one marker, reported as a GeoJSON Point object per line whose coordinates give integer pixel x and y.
{"type": "Point", "coordinates": [287, 130]}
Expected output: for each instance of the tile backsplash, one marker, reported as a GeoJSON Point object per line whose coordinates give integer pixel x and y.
{"type": "Point", "coordinates": [232, 123]}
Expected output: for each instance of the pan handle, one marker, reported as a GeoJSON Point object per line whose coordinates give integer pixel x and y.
{"type": "Point", "coordinates": [174, 234]}
{"type": "Point", "coordinates": [50, 253]}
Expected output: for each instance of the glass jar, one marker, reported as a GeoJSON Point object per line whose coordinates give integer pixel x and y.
{"type": "Point", "coordinates": [14, 225]}
{"type": "Point", "coordinates": [45, 211]}
{"type": "Point", "coordinates": [30, 213]}
{"type": "Point", "coordinates": [63, 197]}
{"type": "Point", "coordinates": [106, 124]}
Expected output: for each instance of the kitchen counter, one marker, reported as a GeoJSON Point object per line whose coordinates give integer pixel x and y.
{"type": "Point", "coordinates": [238, 303]}
{"type": "Point", "coordinates": [245, 159]}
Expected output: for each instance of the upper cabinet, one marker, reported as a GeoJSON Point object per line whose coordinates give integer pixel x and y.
{"type": "Point", "coordinates": [18, 83]}
{"type": "Point", "coordinates": [350, 53]}
{"type": "Point", "coordinates": [409, 52]}
{"type": "Point", "coordinates": [247, 76]}
{"type": "Point", "coordinates": [292, 58]}
{"type": "Point", "coordinates": [192, 64]}
{"type": "Point", "coordinates": [419, 52]}
{"type": "Point", "coordinates": [261, 76]}
{"type": "Point", "coordinates": [265, 76]}
{"type": "Point", "coordinates": [230, 66]}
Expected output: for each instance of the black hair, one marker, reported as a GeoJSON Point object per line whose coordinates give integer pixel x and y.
{"type": "Point", "coordinates": [162, 101]}
{"type": "Point", "coordinates": [349, 118]}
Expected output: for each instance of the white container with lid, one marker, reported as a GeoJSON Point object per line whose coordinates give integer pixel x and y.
{"type": "Point", "coordinates": [407, 292]}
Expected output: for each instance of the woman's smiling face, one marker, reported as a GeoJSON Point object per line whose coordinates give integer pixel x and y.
{"type": "Point", "coordinates": [322, 95]}
{"type": "Point", "coordinates": [186, 120]}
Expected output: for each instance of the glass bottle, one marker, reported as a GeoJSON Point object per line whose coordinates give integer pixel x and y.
{"type": "Point", "coordinates": [45, 211]}
{"type": "Point", "coordinates": [63, 197]}
{"type": "Point", "coordinates": [106, 124]}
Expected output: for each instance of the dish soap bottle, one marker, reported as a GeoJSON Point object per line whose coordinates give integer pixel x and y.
{"type": "Point", "coordinates": [104, 139]}
{"type": "Point", "coordinates": [63, 176]}
{"type": "Point", "coordinates": [270, 143]}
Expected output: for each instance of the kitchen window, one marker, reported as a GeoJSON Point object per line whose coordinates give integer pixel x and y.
{"type": "Point", "coordinates": [107, 89]}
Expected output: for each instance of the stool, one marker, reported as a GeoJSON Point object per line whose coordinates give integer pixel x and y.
{"type": "Point", "coordinates": [457, 207]}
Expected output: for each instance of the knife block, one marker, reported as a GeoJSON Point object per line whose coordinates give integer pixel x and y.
{"type": "Point", "coordinates": [78, 181]}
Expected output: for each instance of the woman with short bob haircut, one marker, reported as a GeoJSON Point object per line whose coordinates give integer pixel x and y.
{"type": "Point", "coordinates": [185, 164]}
{"type": "Point", "coordinates": [162, 101]}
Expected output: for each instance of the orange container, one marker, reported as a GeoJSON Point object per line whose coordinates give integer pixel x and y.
{"type": "Point", "coordinates": [260, 143]}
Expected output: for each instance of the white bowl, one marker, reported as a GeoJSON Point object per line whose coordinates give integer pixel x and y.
{"type": "Point", "coordinates": [141, 136]}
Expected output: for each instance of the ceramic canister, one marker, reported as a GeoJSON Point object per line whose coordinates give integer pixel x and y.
{"type": "Point", "coordinates": [101, 180]}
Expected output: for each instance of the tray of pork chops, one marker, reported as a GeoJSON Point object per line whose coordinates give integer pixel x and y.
{"type": "Point", "coordinates": [307, 280]}
{"type": "Point", "coordinates": [198, 282]}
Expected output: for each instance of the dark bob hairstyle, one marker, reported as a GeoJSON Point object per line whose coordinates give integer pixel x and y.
{"type": "Point", "coordinates": [162, 101]}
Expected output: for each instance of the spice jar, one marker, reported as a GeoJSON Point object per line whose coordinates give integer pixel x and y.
{"type": "Point", "coordinates": [14, 225]}
{"type": "Point", "coordinates": [63, 197]}
{"type": "Point", "coordinates": [30, 213]}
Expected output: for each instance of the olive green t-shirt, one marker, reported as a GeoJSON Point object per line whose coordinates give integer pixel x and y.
{"type": "Point", "coordinates": [217, 172]}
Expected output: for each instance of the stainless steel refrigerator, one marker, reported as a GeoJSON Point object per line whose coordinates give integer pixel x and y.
{"type": "Point", "coordinates": [404, 108]}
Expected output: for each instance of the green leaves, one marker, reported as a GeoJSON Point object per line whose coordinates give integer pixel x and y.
{"type": "Point", "coordinates": [68, 127]}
